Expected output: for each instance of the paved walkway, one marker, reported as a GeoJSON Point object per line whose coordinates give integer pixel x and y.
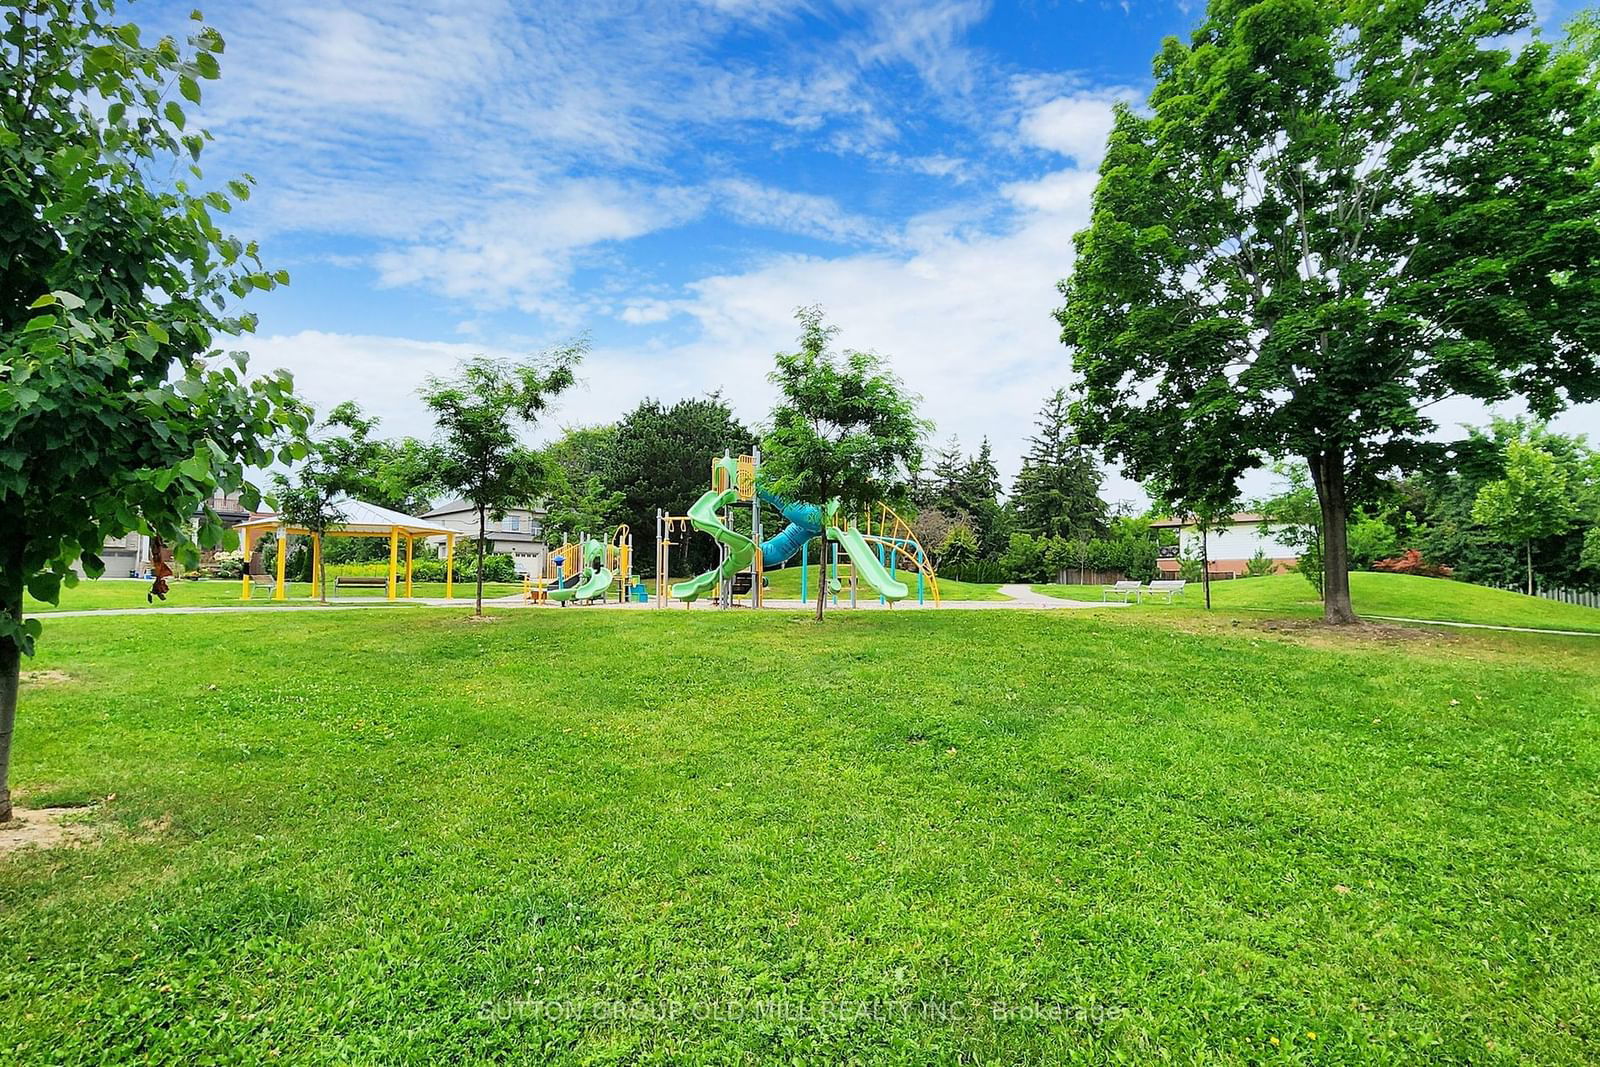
{"type": "Point", "coordinates": [1021, 598]}
{"type": "Point", "coordinates": [1484, 626]}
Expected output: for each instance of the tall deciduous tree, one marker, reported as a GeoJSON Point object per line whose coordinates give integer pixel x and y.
{"type": "Point", "coordinates": [481, 413]}
{"type": "Point", "coordinates": [661, 458]}
{"type": "Point", "coordinates": [1333, 216]}
{"type": "Point", "coordinates": [1531, 501]}
{"type": "Point", "coordinates": [117, 410]}
{"type": "Point", "coordinates": [845, 432]}
{"type": "Point", "coordinates": [1057, 491]}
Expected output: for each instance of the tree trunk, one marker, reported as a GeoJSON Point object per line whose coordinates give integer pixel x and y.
{"type": "Point", "coordinates": [822, 578]}
{"type": "Point", "coordinates": [1529, 546]}
{"type": "Point", "coordinates": [482, 530]}
{"type": "Point", "coordinates": [1205, 564]}
{"type": "Point", "coordinates": [10, 679]}
{"type": "Point", "coordinates": [1327, 474]}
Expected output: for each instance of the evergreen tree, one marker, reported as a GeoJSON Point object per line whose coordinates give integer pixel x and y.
{"type": "Point", "coordinates": [1057, 492]}
{"type": "Point", "coordinates": [980, 497]}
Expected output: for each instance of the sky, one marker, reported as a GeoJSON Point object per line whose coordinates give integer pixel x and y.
{"type": "Point", "coordinates": [672, 180]}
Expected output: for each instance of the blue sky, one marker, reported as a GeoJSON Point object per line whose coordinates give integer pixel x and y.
{"type": "Point", "coordinates": [673, 179]}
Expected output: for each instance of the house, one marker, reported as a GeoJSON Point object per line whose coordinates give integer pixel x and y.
{"type": "Point", "coordinates": [128, 556]}
{"type": "Point", "coordinates": [518, 534]}
{"type": "Point", "coordinates": [1229, 546]}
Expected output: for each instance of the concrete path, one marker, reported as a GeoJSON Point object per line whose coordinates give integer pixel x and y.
{"type": "Point", "coordinates": [1484, 626]}
{"type": "Point", "coordinates": [1021, 596]}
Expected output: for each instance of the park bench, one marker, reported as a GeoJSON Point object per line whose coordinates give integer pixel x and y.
{"type": "Point", "coordinates": [1122, 590]}
{"type": "Point", "coordinates": [349, 582]}
{"type": "Point", "coordinates": [1167, 589]}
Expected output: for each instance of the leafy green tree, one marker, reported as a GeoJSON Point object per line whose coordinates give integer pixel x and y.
{"type": "Point", "coordinates": [1057, 492]}
{"type": "Point", "coordinates": [845, 432]}
{"type": "Point", "coordinates": [1532, 500]}
{"type": "Point", "coordinates": [1294, 516]}
{"type": "Point", "coordinates": [661, 458]}
{"type": "Point", "coordinates": [309, 500]}
{"type": "Point", "coordinates": [1442, 497]}
{"type": "Point", "coordinates": [1589, 559]}
{"type": "Point", "coordinates": [1371, 538]}
{"type": "Point", "coordinates": [118, 411]}
{"type": "Point", "coordinates": [1332, 217]}
{"type": "Point", "coordinates": [480, 412]}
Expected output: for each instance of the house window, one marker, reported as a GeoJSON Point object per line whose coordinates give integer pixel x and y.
{"type": "Point", "coordinates": [514, 522]}
{"type": "Point", "coordinates": [536, 529]}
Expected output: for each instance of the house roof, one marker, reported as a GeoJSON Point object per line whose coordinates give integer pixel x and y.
{"type": "Point", "coordinates": [1238, 518]}
{"type": "Point", "coordinates": [456, 507]}
{"type": "Point", "coordinates": [357, 516]}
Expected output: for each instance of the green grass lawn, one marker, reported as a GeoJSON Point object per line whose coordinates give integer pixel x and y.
{"type": "Point", "coordinates": [990, 837]}
{"type": "Point", "coordinates": [785, 583]}
{"type": "Point", "coordinates": [130, 593]}
{"type": "Point", "coordinates": [1402, 595]}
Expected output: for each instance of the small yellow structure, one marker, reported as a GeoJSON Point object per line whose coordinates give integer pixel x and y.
{"type": "Point", "coordinates": [358, 519]}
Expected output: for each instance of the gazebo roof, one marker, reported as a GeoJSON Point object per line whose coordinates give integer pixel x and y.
{"type": "Point", "coordinates": [358, 517]}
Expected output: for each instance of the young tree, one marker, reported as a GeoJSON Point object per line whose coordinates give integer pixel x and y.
{"type": "Point", "coordinates": [1057, 492]}
{"type": "Point", "coordinates": [309, 501]}
{"type": "Point", "coordinates": [116, 411]}
{"type": "Point", "coordinates": [1295, 518]}
{"type": "Point", "coordinates": [1208, 503]}
{"type": "Point", "coordinates": [479, 413]}
{"type": "Point", "coordinates": [1334, 216]}
{"type": "Point", "coordinates": [1531, 501]}
{"type": "Point", "coordinates": [845, 432]}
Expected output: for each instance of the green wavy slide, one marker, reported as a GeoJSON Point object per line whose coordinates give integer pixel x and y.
{"type": "Point", "coordinates": [866, 564]}
{"type": "Point", "coordinates": [595, 582]}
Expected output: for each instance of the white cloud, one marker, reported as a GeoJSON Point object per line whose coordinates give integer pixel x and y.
{"type": "Point", "coordinates": [647, 312]}
{"type": "Point", "coordinates": [808, 214]}
{"type": "Point", "coordinates": [521, 249]}
{"type": "Point", "coordinates": [1074, 125]}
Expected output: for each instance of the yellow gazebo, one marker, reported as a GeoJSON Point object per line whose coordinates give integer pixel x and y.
{"type": "Point", "coordinates": [358, 519]}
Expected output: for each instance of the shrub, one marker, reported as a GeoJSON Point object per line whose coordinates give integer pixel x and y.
{"type": "Point", "coordinates": [1024, 559]}
{"type": "Point", "coordinates": [1141, 560]}
{"type": "Point", "coordinates": [1411, 562]}
{"type": "Point", "coordinates": [1258, 565]}
{"type": "Point", "coordinates": [1189, 568]}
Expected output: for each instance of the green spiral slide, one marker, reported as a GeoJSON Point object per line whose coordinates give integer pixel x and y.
{"type": "Point", "coordinates": [704, 516]}
{"type": "Point", "coordinates": [594, 583]}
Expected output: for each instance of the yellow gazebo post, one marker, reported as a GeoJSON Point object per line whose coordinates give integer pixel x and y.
{"type": "Point", "coordinates": [283, 557]}
{"type": "Point", "coordinates": [316, 567]}
{"type": "Point", "coordinates": [449, 566]}
{"type": "Point", "coordinates": [394, 558]}
{"type": "Point", "coordinates": [411, 548]}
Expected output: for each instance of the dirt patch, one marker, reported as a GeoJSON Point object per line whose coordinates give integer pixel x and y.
{"type": "Point", "coordinates": [483, 618]}
{"type": "Point", "coordinates": [43, 828]}
{"type": "Point", "coordinates": [45, 677]}
{"type": "Point", "coordinates": [1385, 633]}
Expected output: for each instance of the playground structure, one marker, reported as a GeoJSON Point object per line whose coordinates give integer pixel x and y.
{"type": "Point", "coordinates": [874, 547]}
{"type": "Point", "coordinates": [583, 571]}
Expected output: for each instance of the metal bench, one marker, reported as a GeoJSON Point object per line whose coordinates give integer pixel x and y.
{"type": "Point", "coordinates": [1122, 591]}
{"type": "Point", "coordinates": [1167, 589]}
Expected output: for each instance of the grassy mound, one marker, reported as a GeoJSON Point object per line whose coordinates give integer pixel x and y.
{"type": "Point", "coordinates": [1398, 595]}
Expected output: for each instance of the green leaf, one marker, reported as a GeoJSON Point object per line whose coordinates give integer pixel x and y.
{"type": "Point", "coordinates": [44, 301]}
{"type": "Point", "coordinates": [39, 322]}
{"type": "Point", "coordinates": [45, 586]}
{"type": "Point", "coordinates": [190, 90]}
{"type": "Point", "coordinates": [174, 113]}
